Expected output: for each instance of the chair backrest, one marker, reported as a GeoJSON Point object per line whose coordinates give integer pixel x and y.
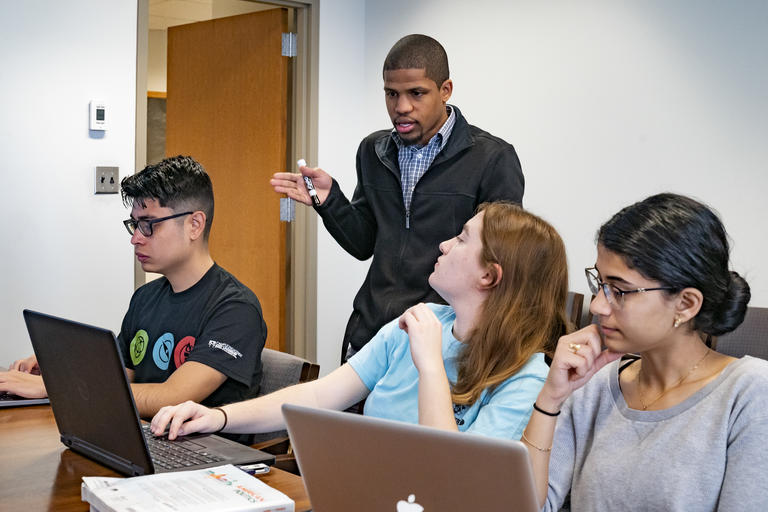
{"type": "Point", "coordinates": [573, 307]}
{"type": "Point", "coordinates": [750, 338]}
{"type": "Point", "coordinates": [280, 370]}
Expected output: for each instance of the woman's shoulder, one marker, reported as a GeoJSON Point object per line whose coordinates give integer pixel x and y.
{"type": "Point", "coordinates": [535, 369]}
{"type": "Point", "coordinates": [536, 366]}
{"type": "Point", "coordinates": [752, 366]}
{"type": "Point", "coordinates": [442, 311]}
{"type": "Point", "coordinates": [523, 384]}
{"type": "Point", "coordinates": [742, 390]}
{"type": "Point", "coordinates": [748, 374]}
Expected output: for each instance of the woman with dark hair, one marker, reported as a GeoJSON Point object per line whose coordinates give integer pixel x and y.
{"type": "Point", "coordinates": [474, 365]}
{"type": "Point", "coordinates": [679, 426]}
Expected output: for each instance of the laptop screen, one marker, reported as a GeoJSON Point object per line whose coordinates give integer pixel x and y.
{"type": "Point", "coordinates": [88, 388]}
{"type": "Point", "coordinates": [354, 462]}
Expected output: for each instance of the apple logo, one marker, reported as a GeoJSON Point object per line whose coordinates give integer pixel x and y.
{"type": "Point", "coordinates": [410, 505]}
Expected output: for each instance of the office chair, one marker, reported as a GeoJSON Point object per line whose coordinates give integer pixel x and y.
{"type": "Point", "coordinates": [750, 338]}
{"type": "Point", "coordinates": [280, 370]}
{"type": "Point", "coordinates": [573, 308]}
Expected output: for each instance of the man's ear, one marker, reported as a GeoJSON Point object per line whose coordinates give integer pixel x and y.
{"type": "Point", "coordinates": [491, 277]}
{"type": "Point", "coordinates": [446, 89]}
{"type": "Point", "coordinates": [197, 225]}
{"type": "Point", "coordinates": [688, 304]}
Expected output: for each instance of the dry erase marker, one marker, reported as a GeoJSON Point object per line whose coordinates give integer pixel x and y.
{"type": "Point", "coordinates": [308, 183]}
{"type": "Point", "coordinates": [255, 469]}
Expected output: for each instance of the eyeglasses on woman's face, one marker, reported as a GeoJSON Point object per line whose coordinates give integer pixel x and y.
{"type": "Point", "coordinates": [613, 294]}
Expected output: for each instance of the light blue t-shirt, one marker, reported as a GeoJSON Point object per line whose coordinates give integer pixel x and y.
{"type": "Point", "coordinates": [385, 366]}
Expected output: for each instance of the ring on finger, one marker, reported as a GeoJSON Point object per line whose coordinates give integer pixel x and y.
{"type": "Point", "coordinates": [574, 347]}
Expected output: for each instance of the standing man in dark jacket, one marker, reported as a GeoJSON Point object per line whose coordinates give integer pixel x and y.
{"type": "Point", "coordinates": [417, 185]}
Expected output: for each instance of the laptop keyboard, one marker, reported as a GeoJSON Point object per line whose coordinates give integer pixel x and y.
{"type": "Point", "coordinates": [173, 454]}
{"type": "Point", "coordinates": [9, 397]}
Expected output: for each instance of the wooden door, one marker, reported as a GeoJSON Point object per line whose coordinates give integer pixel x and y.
{"type": "Point", "coordinates": [227, 107]}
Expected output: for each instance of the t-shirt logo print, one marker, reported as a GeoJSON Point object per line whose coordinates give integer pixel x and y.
{"type": "Point", "coordinates": [182, 350]}
{"type": "Point", "coordinates": [161, 353]}
{"type": "Point", "coordinates": [458, 413]}
{"type": "Point", "coordinates": [139, 346]}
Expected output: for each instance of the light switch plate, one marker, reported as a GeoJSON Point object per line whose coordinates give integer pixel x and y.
{"type": "Point", "coordinates": [107, 180]}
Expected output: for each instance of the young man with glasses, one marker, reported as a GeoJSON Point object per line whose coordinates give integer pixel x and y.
{"type": "Point", "coordinates": [196, 333]}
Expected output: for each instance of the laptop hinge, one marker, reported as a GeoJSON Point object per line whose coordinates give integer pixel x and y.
{"type": "Point", "coordinates": [111, 460]}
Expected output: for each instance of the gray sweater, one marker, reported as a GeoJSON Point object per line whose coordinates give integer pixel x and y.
{"type": "Point", "coordinates": [707, 453]}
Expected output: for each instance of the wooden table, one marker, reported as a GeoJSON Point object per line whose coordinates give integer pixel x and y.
{"type": "Point", "coordinates": [37, 472]}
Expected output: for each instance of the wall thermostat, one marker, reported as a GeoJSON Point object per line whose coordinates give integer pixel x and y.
{"type": "Point", "coordinates": [98, 115]}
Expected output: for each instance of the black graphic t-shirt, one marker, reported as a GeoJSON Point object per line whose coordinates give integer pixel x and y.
{"type": "Point", "coordinates": [217, 322]}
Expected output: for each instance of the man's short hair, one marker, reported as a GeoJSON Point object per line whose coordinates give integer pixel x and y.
{"type": "Point", "coordinates": [418, 51]}
{"type": "Point", "coordinates": [179, 183]}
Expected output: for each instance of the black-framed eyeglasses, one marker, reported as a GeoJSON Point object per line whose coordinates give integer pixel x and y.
{"type": "Point", "coordinates": [614, 295]}
{"type": "Point", "coordinates": [145, 225]}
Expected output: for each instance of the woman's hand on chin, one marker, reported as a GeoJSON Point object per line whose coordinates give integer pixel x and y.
{"type": "Point", "coordinates": [578, 356]}
{"type": "Point", "coordinates": [425, 333]}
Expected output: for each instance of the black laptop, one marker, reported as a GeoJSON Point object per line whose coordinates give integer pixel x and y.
{"type": "Point", "coordinates": [93, 405]}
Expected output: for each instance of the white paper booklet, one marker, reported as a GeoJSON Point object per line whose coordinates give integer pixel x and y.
{"type": "Point", "coordinates": [221, 489]}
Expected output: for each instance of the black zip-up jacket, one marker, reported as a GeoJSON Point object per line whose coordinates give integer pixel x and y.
{"type": "Point", "coordinates": [473, 167]}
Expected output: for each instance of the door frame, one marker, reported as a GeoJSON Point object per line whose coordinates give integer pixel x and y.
{"type": "Point", "coordinates": [301, 243]}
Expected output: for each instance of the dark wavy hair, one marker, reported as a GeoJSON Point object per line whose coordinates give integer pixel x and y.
{"type": "Point", "coordinates": [179, 183]}
{"type": "Point", "coordinates": [680, 242]}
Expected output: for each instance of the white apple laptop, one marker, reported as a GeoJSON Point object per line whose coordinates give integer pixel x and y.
{"type": "Point", "coordinates": [353, 462]}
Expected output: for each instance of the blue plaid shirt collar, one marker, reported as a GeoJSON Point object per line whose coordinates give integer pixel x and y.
{"type": "Point", "coordinates": [415, 160]}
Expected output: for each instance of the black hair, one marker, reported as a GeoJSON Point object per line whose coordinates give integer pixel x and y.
{"type": "Point", "coordinates": [179, 183]}
{"type": "Point", "coordinates": [681, 243]}
{"type": "Point", "coordinates": [418, 51]}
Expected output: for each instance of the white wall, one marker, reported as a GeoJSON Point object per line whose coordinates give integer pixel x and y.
{"type": "Point", "coordinates": [341, 126]}
{"type": "Point", "coordinates": [606, 103]}
{"type": "Point", "coordinates": [64, 250]}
